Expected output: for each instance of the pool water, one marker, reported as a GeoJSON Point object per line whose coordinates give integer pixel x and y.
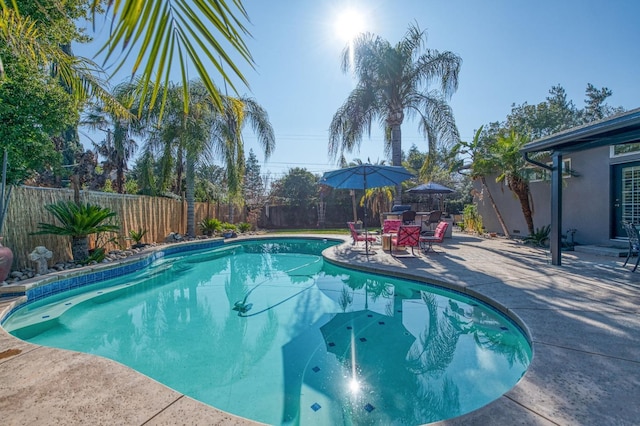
{"type": "Point", "coordinates": [269, 331]}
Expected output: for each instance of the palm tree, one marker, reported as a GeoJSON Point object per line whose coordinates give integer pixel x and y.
{"type": "Point", "coordinates": [119, 146]}
{"type": "Point", "coordinates": [158, 33]}
{"type": "Point", "coordinates": [80, 76]}
{"type": "Point", "coordinates": [78, 221]}
{"type": "Point", "coordinates": [482, 165]}
{"type": "Point", "coordinates": [513, 171]}
{"type": "Point", "coordinates": [204, 133]}
{"type": "Point", "coordinates": [394, 81]}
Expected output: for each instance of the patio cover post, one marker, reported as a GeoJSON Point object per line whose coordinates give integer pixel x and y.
{"type": "Point", "coordinates": [555, 237]}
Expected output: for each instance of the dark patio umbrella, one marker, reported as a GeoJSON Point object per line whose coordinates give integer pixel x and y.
{"type": "Point", "coordinates": [429, 188]}
{"type": "Point", "coordinates": [365, 176]}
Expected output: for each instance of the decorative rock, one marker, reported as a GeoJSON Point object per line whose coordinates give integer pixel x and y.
{"type": "Point", "coordinates": [173, 238]}
{"type": "Point", "coordinates": [41, 255]}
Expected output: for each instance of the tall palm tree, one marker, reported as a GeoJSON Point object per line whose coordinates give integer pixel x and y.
{"type": "Point", "coordinates": [394, 81]}
{"type": "Point", "coordinates": [205, 133]}
{"type": "Point", "coordinates": [119, 146]}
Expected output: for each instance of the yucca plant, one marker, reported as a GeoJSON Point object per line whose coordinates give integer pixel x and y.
{"type": "Point", "coordinates": [78, 222]}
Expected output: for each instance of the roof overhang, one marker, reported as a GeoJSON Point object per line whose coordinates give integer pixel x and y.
{"type": "Point", "coordinates": [615, 130]}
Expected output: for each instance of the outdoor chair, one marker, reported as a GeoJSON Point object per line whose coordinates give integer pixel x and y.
{"type": "Point", "coordinates": [408, 236]}
{"type": "Point", "coordinates": [391, 226]}
{"type": "Point", "coordinates": [634, 243]}
{"type": "Point", "coordinates": [367, 238]}
{"type": "Point", "coordinates": [427, 241]}
{"type": "Point", "coordinates": [408, 217]}
{"type": "Point", "coordinates": [425, 228]}
{"type": "Point", "coordinates": [434, 217]}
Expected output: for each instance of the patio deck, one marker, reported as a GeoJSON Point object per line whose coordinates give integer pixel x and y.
{"type": "Point", "coordinates": [583, 319]}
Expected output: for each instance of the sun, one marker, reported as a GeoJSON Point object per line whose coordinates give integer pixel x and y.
{"type": "Point", "coordinates": [349, 23]}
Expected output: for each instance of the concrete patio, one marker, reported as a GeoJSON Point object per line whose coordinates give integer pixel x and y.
{"type": "Point", "coordinates": [583, 319]}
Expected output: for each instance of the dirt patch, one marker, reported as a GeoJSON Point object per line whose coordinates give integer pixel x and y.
{"type": "Point", "coordinates": [9, 352]}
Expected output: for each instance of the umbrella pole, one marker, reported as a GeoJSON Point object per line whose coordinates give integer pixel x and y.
{"type": "Point", "coordinates": [364, 216]}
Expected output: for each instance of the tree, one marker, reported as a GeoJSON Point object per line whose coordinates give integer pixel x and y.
{"type": "Point", "coordinates": [253, 189]}
{"type": "Point", "coordinates": [482, 165]}
{"type": "Point", "coordinates": [298, 188]}
{"type": "Point", "coordinates": [118, 147]}
{"type": "Point", "coordinates": [545, 118]}
{"type": "Point", "coordinates": [161, 35]}
{"type": "Point", "coordinates": [595, 106]}
{"type": "Point", "coordinates": [33, 108]}
{"type": "Point", "coordinates": [254, 192]}
{"type": "Point", "coordinates": [394, 81]}
{"type": "Point", "coordinates": [513, 170]}
{"type": "Point", "coordinates": [204, 133]}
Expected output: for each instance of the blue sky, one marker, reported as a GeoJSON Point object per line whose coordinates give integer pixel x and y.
{"type": "Point", "coordinates": [512, 51]}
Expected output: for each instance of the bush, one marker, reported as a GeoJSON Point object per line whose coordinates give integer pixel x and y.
{"type": "Point", "coordinates": [244, 226]}
{"type": "Point", "coordinates": [472, 221]}
{"type": "Point", "coordinates": [539, 237]}
{"type": "Point", "coordinates": [209, 226]}
{"type": "Point", "coordinates": [226, 226]}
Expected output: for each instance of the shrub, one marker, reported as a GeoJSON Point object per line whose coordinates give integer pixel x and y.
{"type": "Point", "coordinates": [226, 226]}
{"type": "Point", "coordinates": [210, 226]}
{"type": "Point", "coordinates": [78, 221]}
{"type": "Point", "coordinates": [472, 221]}
{"type": "Point", "coordinates": [244, 226]}
{"type": "Point", "coordinates": [136, 237]}
{"type": "Point", "coordinates": [539, 237]}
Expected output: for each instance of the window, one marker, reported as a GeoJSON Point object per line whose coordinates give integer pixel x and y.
{"type": "Point", "coordinates": [624, 149]}
{"type": "Point", "coordinates": [538, 174]}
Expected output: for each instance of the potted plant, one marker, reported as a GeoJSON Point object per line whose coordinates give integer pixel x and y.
{"type": "Point", "coordinates": [78, 222]}
{"type": "Point", "coordinates": [6, 255]}
{"type": "Point", "coordinates": [229, 230]}
{"type": "Point", "coordinates": [136, 237]}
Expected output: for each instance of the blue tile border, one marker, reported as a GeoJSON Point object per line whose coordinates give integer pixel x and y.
{"type": "Point", "coordinates": [76, 278]}
{"type": "Point", "coordinates": [73, 279]}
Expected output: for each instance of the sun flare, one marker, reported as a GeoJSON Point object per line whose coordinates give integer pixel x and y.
{"type": "Point", "coordinates": [349, 23]}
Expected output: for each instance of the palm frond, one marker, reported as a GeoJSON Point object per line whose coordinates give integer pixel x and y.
{"type": "Point", "coordinates": [160, 29]}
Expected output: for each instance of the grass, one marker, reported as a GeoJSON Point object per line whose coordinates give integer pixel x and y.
{"type": "Point", "coordinates": [310, 231]}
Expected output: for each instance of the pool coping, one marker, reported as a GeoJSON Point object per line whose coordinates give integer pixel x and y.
{"type": "Point", "coordinates": [568, 370]}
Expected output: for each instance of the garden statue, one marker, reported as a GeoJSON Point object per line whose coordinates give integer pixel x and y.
{"type": "Point", "coordinates": [41, 255]}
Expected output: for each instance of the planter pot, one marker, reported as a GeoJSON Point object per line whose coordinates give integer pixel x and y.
{"type": "Point", "coordinates": [6, 260]}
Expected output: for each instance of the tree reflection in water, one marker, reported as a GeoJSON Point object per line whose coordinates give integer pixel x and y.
{"type": "Point", "coordinates": [412, 349]}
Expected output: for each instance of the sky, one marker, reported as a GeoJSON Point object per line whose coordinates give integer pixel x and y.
{"type": "Point", "coordinates": [513, 51]}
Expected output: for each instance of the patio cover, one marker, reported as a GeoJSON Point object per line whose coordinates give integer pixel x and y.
{"type": "Point", "coordinates": [615, 130]}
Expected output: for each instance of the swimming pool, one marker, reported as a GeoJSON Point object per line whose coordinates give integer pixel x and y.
{"type": "Point", "coordinates": [268, 331]}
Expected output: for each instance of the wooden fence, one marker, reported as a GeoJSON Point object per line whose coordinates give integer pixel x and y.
{"type": "Point", "coordinates": [159, 216]}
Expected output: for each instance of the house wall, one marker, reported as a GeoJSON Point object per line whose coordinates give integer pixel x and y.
{"type": "Point", "coordinates": [586, 199]}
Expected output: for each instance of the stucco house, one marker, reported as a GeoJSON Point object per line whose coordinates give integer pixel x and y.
{"type": "Point", "coordinates": [602, 190]}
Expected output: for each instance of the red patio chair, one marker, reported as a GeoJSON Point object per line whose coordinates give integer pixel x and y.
{"type": "Point", "coordinates": [408, 236]}
{"type": "Point", "coordinates": [368, 238]}
{"type": "Point", "coordinates": [427, 241]}
{"type": "Point", "coordinates": [391, 226]}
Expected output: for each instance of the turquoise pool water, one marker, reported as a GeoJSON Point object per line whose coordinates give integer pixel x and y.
{"type": "Point", "coordinates": [267, 330]}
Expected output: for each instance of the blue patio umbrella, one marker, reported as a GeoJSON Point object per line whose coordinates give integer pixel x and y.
{"type": "Point", "coordinates": [365, 176]}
